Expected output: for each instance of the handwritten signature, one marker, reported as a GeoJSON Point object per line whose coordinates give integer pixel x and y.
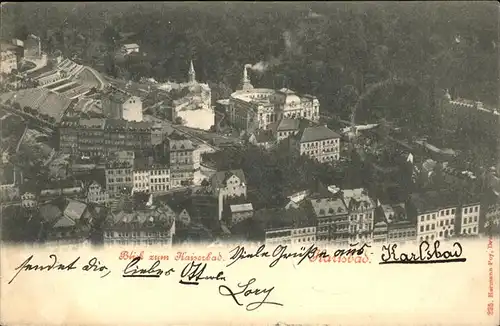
{"type": "Point", "coordinates": [245, 291]}
{"type": "Point", "coordinates": [132, 269]}
{"type": "Point", "coordinates": [425, 254]}
{"type": "Point", "coordinates": [94, 265]}
{"type": "Point", "coordinates": [194, 273]}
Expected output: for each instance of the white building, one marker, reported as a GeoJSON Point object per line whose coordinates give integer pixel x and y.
{"type": "Point", "coordinates": [320, 143]}
{"type": "Point", "coordinates": [361, 213]}
{"type": "Point", "coordinates": [293, 236]}
{"type": "Point", "coordinates": [8, 62]}
{"type": "Point", "coordinates": [121, 105]}
{"type": "Point", "coordinates": [225, 184]}
{"type": "Point", "coordinates": [256, 108]}
{"type": "Point", "coordinates": [129, 48]}
{"type": "Point", "coordinates": [150, 178]}
{"type": "Point", "coordinates": [470, 219]}
{"type": "Point", "coordinates": [97, 194]}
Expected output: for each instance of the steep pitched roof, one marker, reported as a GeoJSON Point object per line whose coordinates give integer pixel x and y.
{"type": "Point", "coordinates": [288, 124]}
{"type": "Point", "coordinates": [219, 179]}
{"type": "Point", "coordinates": [64, 222]}
{"type": "Point", "coordinates": [75, 209]}
{"type": "Point", "coordinates": [317, 133]}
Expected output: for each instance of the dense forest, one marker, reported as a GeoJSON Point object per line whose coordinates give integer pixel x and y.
{"type": "Point", "coordinates": [390, 60]}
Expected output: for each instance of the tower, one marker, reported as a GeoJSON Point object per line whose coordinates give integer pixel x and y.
{"type": "Point", "coordinates": [245, 81]}
{"type": "Point", "coordinates": [191, 73]}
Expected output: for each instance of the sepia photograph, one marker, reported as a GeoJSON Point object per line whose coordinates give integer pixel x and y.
{"type": "Point", "coordinates": [135, 135]}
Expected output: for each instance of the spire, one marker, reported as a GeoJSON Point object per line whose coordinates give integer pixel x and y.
{"type": "Point", "coordinates": [245, 81]}
{"type": "Point", "coordinates": [192, 73]}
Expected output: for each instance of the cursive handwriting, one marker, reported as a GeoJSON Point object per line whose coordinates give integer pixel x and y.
{"type": "Point", "coordinates": [246, 291]}
{"type": "Point", "coordinates": [194, 273]}
{"type": "Point", "coordinates": [239, 253]}
{"type": "Point", "coordinates": [26, 266]}
{"type": "Point", "coordinates": [132, 270]}
{"type": "Point", "coordinates": [425, 255]}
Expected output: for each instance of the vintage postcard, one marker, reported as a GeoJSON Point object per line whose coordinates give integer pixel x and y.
{"type": "Point", "coordinates": [250, 163]}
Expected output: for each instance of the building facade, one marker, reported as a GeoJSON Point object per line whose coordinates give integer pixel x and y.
{"type": "Point", "coordinates": [8, 62]}
{"type": "Point", "coordinates": [291, 236]}
{"type": "Point", "coordinates": [240, 213]}
{"type": "Point", "coordinates": [117, 104]}
{"type": "Point", "coordinates": [100, 137]}
{"type": "Point", "coordinates": [319, 143]}
{"type": "Point", "coordinates": [97, 194]}
{"type": "Point", "coordinates": [469, 222]}
{"type": "Point", "coordinates": [179, 154]}
{"type": "Point", "coordinates": [119, 178]}
{"type": "Point", "coordinates": [256, 108]}
{"type": "Point", "coordinates": [361, 214]}
{"type": "Point", "coordinates": [332, 220]}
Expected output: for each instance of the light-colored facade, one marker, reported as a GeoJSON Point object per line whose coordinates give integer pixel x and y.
{"type": "Point", "coordinates": [226, 184]}
{"type": "Point", "coordinates": [117, 104]}
{"type": "Point", "coordinates": [361, 214]}
{"type": "Point", "coordinates": [256, 108]}
{"type": "Point", "coordinates": [97, 194]}
{"type": "Point", "coordinates": [155, 226]}
{"type": "Point", "coordinates": [180, 157]}
{"type": "Point", "coordinates": [292, 236]}
{"type": "Point", "coordinates": [320, 143]}
{"type": "Point", "coordinates": [8, 62]}
{"type": "Point", "coordinates": [470, 219]}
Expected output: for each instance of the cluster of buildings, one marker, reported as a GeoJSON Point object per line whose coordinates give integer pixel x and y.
{"type": "Point", "coordinates": [348, 216]}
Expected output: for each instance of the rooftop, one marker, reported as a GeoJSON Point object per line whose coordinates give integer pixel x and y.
{"type": "Point", "coordinates": [75, 209]}
{"type": "Point", "coordinates": [288, 124]}
{"type": "Point", "coordinates": [40, 99]}
{"type": "Point", "coordinates": [433, 201]}
{"type": "Point", "coordinates": [325, 207]}
{"type": "Point", "coordinates": [219, 179]}
{"type": "Point", "coordinates": [317, 133]}
{"type": "Point", "coordinates": [241, 208]}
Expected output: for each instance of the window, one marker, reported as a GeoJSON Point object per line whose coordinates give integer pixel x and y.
{"type": "Point", "coordinates": [476, 209]}
{"type": "Point", "coordinates": [475, 229]}
{"type": "Point", "coordinates": [433, 216]}
{"type": "Point", "coordinates": [433, 227]}
{"type": "Point", "coordinates": [452, 211]}
{"type": "Point", "coordinates": [447, 222]}
{"type": "Point", "coordinates": [440, 223]}
{"type": "Point", "coordinates": [442, 213]}
{"type": "Point", "coordinates": [447, 212]}
{"type": "Point", "coordinates": [440, 233]}
{"type": "Point", "coordinates": [422, 218]}
{"type": "Point", "coordinates": [427, 227]}
{"type": "Point", "coordinates": [475, 218]}
{"type": "Point", "coordinates": [428, 217]}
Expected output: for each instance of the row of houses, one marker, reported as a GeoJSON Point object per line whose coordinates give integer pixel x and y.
{"type": "Point", "coordinates": [351, 215]}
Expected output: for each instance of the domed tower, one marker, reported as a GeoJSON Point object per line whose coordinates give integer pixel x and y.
{"type": "Point", "coordinates": [192, 73]}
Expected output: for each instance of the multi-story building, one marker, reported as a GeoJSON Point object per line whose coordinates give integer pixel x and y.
{"type": "Point", "coordinates": [319, 143]}
{"type": "Point", "coordinates": [469, 219]}
{"type": "Point", "coordinates": [97, 194]}
{"type": "Point", "coordinates": [178, 152]}
{"type": "Point", "coordinates": [226, 184]}
{"type": "Point", "coordinates": [361, 214]}
{"type": "Point", "coordinates": [300, 235]}
{"type": "Point", "coordinates": [286, 128]}
{"type": "Point", "coordinates": [332, 220]}
{"type": "Point", "coordinates": [256, 108]}
{"type": "Point", "coordinates": [100, 137]}
{"type": "Point", "coordinates": [149, 227]}
{"type": "Point", "coordinates": [72, 227]}
{"type": "Point", "coordinates": [8, 62]}
{"type": "Point", "coordinates": [399, 228]}
{"type": "Point", "coordinates": [435, 214]}
{"type": "Point", "coordinates": [240, 212]}
{"type": "Point", "coordinates": [28, 200]}
{"type": "Point", "coordinates": [119, 178]}
{"type": "Point", "coordinates": [150, 177]}
{"type": "Point", "coordinates": [492, 216]}
{"type": "Point", "coordinates": [117, 104]}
